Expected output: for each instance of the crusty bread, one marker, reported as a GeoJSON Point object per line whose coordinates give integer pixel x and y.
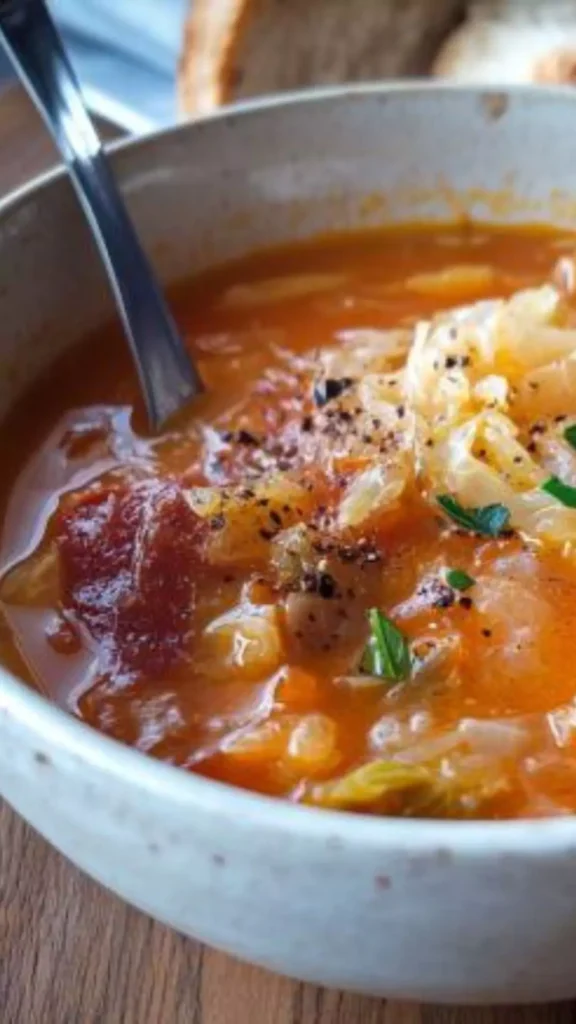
{"type": "Point", "coordinates": [239, 48]}
{"type": "Point", "coordinates": [505, 41]}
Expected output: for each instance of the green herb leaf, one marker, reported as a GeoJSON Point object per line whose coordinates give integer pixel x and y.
{"type": "Point", "coordinates": [387, 653]}
{"type": "Point", "coordinates": [489, 521]}
{"type": "Point", "coordinates": [562, 492]}
{"type": "Point", "coordinates": [459, 580]}
{"type": "Point", "coordinates": [570, 435]}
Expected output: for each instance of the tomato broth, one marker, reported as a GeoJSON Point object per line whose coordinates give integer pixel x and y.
{"type": "Point", "coordinates": [346, 575]}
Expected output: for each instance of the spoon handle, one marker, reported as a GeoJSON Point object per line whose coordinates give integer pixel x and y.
{"type": "Point", "coordinates": [167, 375]}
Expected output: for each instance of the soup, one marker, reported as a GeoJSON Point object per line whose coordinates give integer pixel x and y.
{"type": "Point", "coordinates": [347, 576]}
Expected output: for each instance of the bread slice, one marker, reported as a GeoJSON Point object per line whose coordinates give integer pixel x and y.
{"type": "Point", "coordinates": [234, 49]}
{"type": "Point", "coordinates": [506, 41]}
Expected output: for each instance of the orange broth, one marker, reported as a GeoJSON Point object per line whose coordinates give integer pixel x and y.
{"type": "Point", "coordinates": [123, 634]}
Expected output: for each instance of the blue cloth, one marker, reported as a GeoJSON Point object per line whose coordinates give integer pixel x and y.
{"type": "Point", "coordinates": [125, 53]}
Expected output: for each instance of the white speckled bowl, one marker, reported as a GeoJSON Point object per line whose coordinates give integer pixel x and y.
{"type": "Point", "coordinates": [432, 911]}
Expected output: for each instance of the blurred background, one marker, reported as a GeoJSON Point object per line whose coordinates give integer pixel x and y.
{"type": "Point", "coordinates": [125, 53]}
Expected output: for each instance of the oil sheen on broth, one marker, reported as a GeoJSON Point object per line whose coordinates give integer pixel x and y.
{"type": "Point", "coordinates": [347, 576]}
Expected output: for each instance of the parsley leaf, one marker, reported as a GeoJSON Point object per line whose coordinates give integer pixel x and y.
{"type": "Point", "coordinates": [387, 653]}
{"type": "Point", "coordinates": [562, 492]}
{"type": "Point", "coordinates": [570, 435]}
{"type": "Point", "coordinates": [459, 580]}
{"type": "Point", "coordinates": [489, 520]}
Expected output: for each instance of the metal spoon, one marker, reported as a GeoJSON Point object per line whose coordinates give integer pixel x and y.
{"type": "Point", "coordinates": [167, 376]}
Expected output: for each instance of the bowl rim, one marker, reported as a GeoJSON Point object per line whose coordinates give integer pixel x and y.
{"type": "Point", "coordinates": [50, 725]}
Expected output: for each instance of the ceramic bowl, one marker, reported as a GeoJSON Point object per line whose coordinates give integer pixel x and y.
{"type": "Point", "coordinates": [434, 911]}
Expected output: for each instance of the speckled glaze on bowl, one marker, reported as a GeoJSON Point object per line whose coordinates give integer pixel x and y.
{"type": "Point", "coordinates": [465, 912]}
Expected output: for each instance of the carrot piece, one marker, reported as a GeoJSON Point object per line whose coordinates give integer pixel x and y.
{"type": "Point", "coordinates": [349, 464]}
{"type": "Point", "coordinates": [297, 687]}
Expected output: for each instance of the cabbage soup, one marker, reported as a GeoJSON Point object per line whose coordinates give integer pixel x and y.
{"type": "Point", "coordinates": [347, 576]}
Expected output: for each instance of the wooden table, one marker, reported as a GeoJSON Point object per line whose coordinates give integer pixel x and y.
{"type": "Point", "coordinates": [71, 953]}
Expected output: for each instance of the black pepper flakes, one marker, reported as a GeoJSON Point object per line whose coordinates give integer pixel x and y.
{"type": "Point", "coordinates": [326, 586]}
{"type": "Point", "coordinates": [245, 437]}
{"type": "Point", "coordinates": [217, 522]}
{"type": "Point", "coordinates": [330, 388]}
{"type": "Point", "coordinates": [465, 602]}
{"type": "Point", "coordinates": [436, 592]}
{"type": "Point", "coordinates": [445, 599]}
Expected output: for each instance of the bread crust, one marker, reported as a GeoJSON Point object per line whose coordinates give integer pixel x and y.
{"type": "Point", "coordinates": [205, 71]}
{"type": "Point", "coordinates": [225, 56]}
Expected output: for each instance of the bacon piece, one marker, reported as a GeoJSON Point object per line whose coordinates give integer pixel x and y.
{"type": "Point", "coordinates": [129, 558]}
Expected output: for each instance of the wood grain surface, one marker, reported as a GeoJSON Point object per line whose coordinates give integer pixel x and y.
{"type": "Point", "coordinates": [71, 953]}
